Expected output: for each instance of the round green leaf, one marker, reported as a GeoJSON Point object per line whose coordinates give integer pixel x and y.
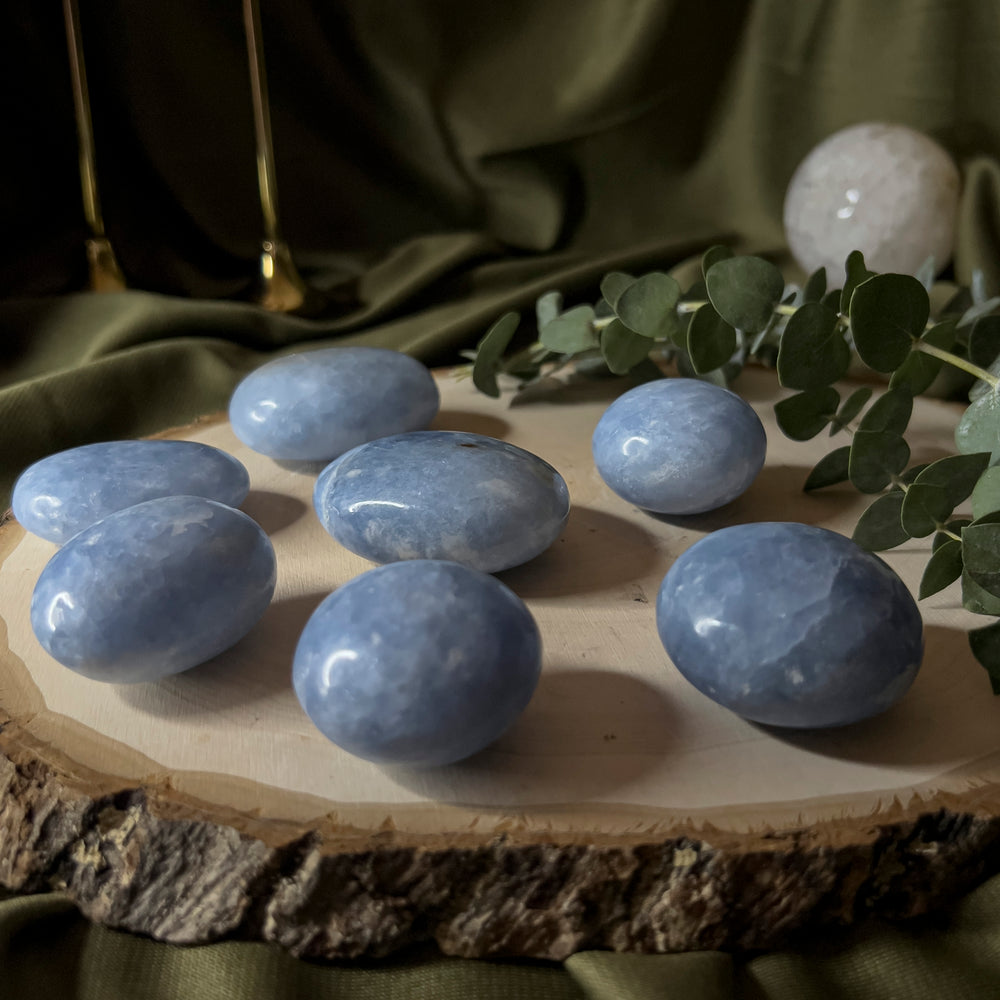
{"type": "Point", "coordinates": [890, 412]}
{"type": "Point", "coordinates": [985, 645]}
{"type": "Point", "coordinates": [613, 284]}
{"type": "Point", "coordinates": [955, 526]}
{"type": "Point", "coordinates": [879, 527]}
{"type": "Point", "coordinates": [876, 456]}
{"type": "Point", "coordinates": [490, 350]}
{"type": "Point", "coordinates": [649, 305]}
{"type": "Point", "coordinates": [571, 332]}
{"type": "Point", "coordinates": [981, 555]}
{"type": "Point", "coordinates": [888, 312]}
{"type": "Point", "coordinates": [855, 273]}
{"type": "Point", "coordinates": [813, 351]}
{"type": "Point", "coordinates": [711, 341]}
{"type": "Point", "coordinates": [984, 341]}
{"type": "Point", "coordinates": [919, 370]}
{"type": "Point", "coordinates": [805, 414]}
{"type": "Point", "coordinates": [979, 427]}
{"type": "Point", "coordinates": [547, 308]}
{"type": "Point", "coordinates": [924, 508]}
{"type": "Point", "coordinates": [976, 599]}
{"type": "Point", "coordinates": [829, 470]}
{"type": "Point", "coordinates": [744, 291]}
{"type": "Point", "coordinates": [957, 475]}
{"type": "Point", "coordinates": [622, 349]}
{"type": "Point", "coordinates": [943, 567]}
{"type": "Point", "coordinates": [853, 405]}
{"type": "Point", "coordinates": [986, 494]}
{"type": "Point", "coordinates": [815, 287]}
{"type": "Point", "coordinates": [712, 256]}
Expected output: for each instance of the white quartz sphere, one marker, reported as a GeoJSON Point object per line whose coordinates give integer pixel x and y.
{"type": "Point", "coordinates": [886, 190]}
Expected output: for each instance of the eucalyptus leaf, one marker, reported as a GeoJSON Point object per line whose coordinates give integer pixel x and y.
{"type": "Point", "coordinates": [888, 312]}
{"type": "Point", "coordinates": [813, 351]}
{"type": "Point", "coordinates": [919, 370]}
{"type": "Point", "coordinates": [829, 470]}
{"type": "Point", "coordinates": [983, 386]}
{"type": "Point", "coordinates": [979, 427]}
{"type": "Point", "coordinates": [880, 527]}
{"type": "Point", "coordinates": [490, 350]}
{"type": "Point", "coordinates": [815, 287]}
{"type": "Point", "coordinates": [744, 291]}
{"type": "Point", "coordinates": [805, 414]}
{"type": "Point", "coordinates": [853, 405]}
{"type": "Point", "coordinates": [570, 332]}
{"type": "Point", "coordinates": [716, 377]}
{"type": "Point", "coordinates": [890, 412]}
{"type": "Point", "coordinates": [976, 599]}
{"type": "Point", "coordinates": [649, 305]}
{"type": "Point", "coordinates": [711, 341]}
{"type": "Point", "coordinates": [925, 508]}
{"type": "Point", "coordinates": [985, 645]}
{"type": "Point", "coordinates": [855, 272]}
{"type": "Point", "coordinates": [712, 255]}
{"type": "Point", "coordinates": [622, 349]}
{"type": "Point", "coordinates": [954, 526]}
{"type": "Point", "coordinates": [957, 475]}
{"type": "Point", "coordinates": [981, 555]}
{"type": "Point", "coordinates": [832, 300]}
{"type": "Point", "coordinates": [943, 568]}
{"type": "Point", "coordinates": [613, 284]}
{"type": "Point", "coordinates": [986, 494]}
{"type": "Point", "coordinates": [984, 341]}
{"type": "Point", "coordinates": [876, 456]}
{"type": "Point", "coordinates": [547, 308]}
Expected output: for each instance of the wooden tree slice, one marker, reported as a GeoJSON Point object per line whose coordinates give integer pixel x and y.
{"type": "Point", "coordinates": [623, 810]}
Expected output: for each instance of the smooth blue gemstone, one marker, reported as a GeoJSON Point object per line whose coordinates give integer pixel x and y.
{"type": "Point", "coordinates": [679, 446]}
{"type": "Point", "coordinates": [443, 495]}
{"type": "Point", "coordinates": [67, 492]}
{"type": "Point", "coordinates": [422, 662]}
{"type": "Point", "coordinates": [790, 625]}
{"type": "Point", "coordinates": [153, 590]}
{"type": "Point", "coordinates": [315, 406]}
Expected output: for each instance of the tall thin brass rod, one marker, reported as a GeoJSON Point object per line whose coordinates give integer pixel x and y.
{"type": "Point", "coordinates": [262, 120]}
{"type": "Point", "coordinates": [105, 274]}
{"type": "Point", "coordinates": [281, 287]}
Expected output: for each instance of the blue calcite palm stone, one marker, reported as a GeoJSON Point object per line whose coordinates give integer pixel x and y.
{"type": "Point", "coordinates": [317, 405]}
{"type": "Point", "coordinates": [451, 495]}
{"type": "Point", "coordinates": [790, 625]}
{"type": "Point", "coordinates": [421, 663]}
{"type": "Point", "coordinates": [153, 590]}
{"type": "Point", "coordinates": [61, 495]}
{"type": "Point", "coordinates": [679, 446]}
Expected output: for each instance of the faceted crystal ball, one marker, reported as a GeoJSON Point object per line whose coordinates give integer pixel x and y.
{"type": "Point", "coordinates": [67, 492]}
{"type": "Point", "coordinates": [153, 590]}
{"type": "Point", "coordinates": [790, 625]}
{"type": "Point", "coordinates": [422, 662]}
{"type": "Point", "coordinates": [886, 190]}
{"type": "Point", "coordinates": [317, 405]}
{"type": "Point", "coordinates": [679, 446]}
{"type": "Point", "coordinates": [443, 495]}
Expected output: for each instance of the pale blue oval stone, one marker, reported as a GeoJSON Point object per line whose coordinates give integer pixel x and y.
{"type": "Point", "coordinates": [61, 495]}
{"type": "Point", "coordinates": [153, 590]}
{"type": "Point", "coordinates": [679, 446]}
{"type": "Point", "coordinates": [451, 495]}
{"type": "Point", "coordinates": [421, 663]}
{"type": "Point", "coordinates": [317, 405]}
{"type": "Point", "coordinates": [790, 625]}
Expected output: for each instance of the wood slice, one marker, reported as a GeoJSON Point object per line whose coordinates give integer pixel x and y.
{"type": "Point", "coordinates": [623, 810]}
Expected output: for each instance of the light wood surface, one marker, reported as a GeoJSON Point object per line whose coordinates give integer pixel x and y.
{"type": "Point", "coordinates": [615, 751]}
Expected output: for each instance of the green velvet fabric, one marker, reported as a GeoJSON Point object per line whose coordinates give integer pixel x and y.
{"type": "Point", "coordinates": [438, 162]}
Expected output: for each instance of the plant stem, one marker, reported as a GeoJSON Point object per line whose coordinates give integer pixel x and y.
{"type": "Point", "coordinates": [953, 359]}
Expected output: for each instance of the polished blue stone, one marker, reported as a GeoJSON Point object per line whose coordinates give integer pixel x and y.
{"type": "Point", "coordinates": [443, 495]}
{"type": "Point", "coordinates": [67, 492]}
{"type": "Point", "coordinates": [153, 590]}
{"type": "Point", "coordinates": [422, 662]}
{"type": "Point", "coordinates": [317, 405]}
{"type": "Point", "coordinates": [790, 625]}
{"type": "Point", "coordinates": [679, 446]}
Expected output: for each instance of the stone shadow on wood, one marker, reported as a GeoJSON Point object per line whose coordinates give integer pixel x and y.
{"type": "Point", "coordinates": [587, 734]}
{"type": "Point", "coordinates": [257, 668]}
{"type": "Point", "coordinates": [273, 511]}
{"type": "Point", "coordinates": [471, 423]}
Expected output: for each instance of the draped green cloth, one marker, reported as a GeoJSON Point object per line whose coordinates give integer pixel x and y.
{"type": "Point", "coordinates": [438, 162]}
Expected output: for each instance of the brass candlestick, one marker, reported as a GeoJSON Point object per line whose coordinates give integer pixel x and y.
{"type": "Point", "coordinates": [105, 274]}
{"type": "Point", "coordinates": [281, 286]}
